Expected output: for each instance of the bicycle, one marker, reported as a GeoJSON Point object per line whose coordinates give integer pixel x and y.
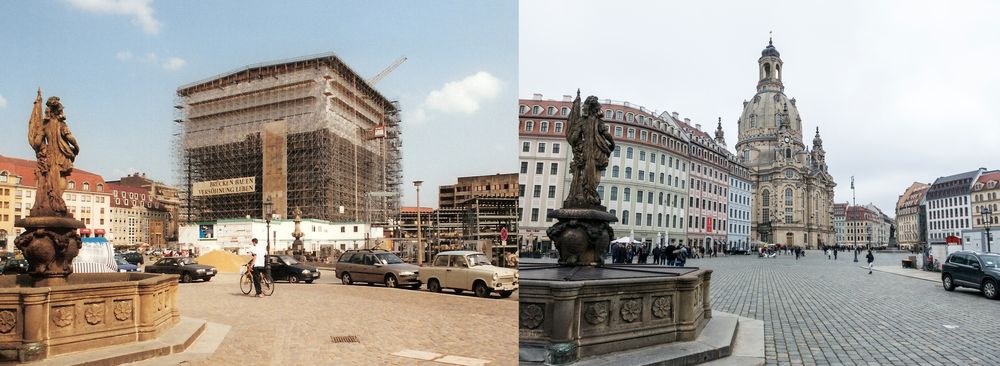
{"type": "Point", "coordinates": [266, 282]}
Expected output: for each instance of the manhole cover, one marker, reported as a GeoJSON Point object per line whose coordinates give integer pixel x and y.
{"type": "Point", "coordinates": [344, 339]}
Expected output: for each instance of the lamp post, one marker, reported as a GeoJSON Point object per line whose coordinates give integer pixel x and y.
{"type": "Point", "coordinates": [987, 218]}
{"type": "Point", "coordinates": [268, 212]}
{"type": "Point", "coordinates": [420, 244]}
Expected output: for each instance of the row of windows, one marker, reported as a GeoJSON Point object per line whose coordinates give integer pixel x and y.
{"type": "Point", "coordinates": [543, 126]}
{"type": "Point", "coordinates": [710, 205]}
{"type": "Point", "coordinates": [951, 201]}
{"type": "Point", "coordinates": [537, 110]}
{"type": "Point", "coordinates": [646, 136]}
{"type": "Point", "coordinates": [766, 215]}
{"type": "Point", "coordinates": [664, 159]}
{"type": "Point", "coordinates": [709, 187]}
{"type": "Point", "coordinates": [949, 212]}
{"type": "Point", "coordinates": [86, 186]}
{"type": "Point", "coordinates": [993, 220]}
{"type": "Point", "coordinates": [667, 179]}
{"type": "Point", "coordinates": [540, 167]}
{"type": "Point", "coordinates": [739, 229]}
{"type": "Point", "coordinates": [702, 223]}
{"type": "Point", "coordinates": [671, 200]}
{"type": "Point", "coordinates": [526, 147]}
{"type": "Point", "coordinates": [739, 215]}
{"type": "Point", "coordinates": [949, 224]}
{"type": "Point", "coordinates": [738, 184]}
{"type": "Point", "coordinates": [662, 220]}
{"type": "Point", "coordinates": [743, 200]}
{"type": "Point", "coordinates": [766, 197]}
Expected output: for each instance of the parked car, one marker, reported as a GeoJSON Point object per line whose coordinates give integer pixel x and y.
{"type": "Point", "coordinates": [15, 266]}
{"type": "Point", "coordinates": [468, 270]}
{"type": "Point", "coordinates": [133, 258]}
{"type": "Point", "coordinates": [286, 268]}
{"type": "Point", "coordinates": [975, 270]}
{"type": "Point", "coordinates": [187, 268]}
{"type": "Point", "coordinates": [124, 265]}
{"type": "Point", "coordinates": [376, 266]}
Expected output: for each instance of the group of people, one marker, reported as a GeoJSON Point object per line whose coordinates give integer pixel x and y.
{"type": "Point", "coordinates": [670, 255]}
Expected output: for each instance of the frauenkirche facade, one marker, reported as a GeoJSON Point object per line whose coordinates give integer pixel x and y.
{"type": "Point", "coordinates": [793, 196]}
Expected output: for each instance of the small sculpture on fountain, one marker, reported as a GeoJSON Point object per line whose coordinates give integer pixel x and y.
{"type": "Point", "coordinates": [50, 241]}
{"type": "Point", "coordinates": [583, 233]}
{"type": "Point", "coordinates": [298, 248]}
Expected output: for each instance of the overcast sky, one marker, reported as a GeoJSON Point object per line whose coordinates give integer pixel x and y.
{"type": "Point", "coordinates": [902, 91]}
{"type": "Point", "coordinates": [116, 64]}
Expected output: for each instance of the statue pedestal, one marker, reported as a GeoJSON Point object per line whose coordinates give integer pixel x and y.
{"type": "Point", "coordinates": [569, 313]}
{"type": "Point", "coordinates": [582, 235]}
{"type": "Point", "coordinates": [49, 243]}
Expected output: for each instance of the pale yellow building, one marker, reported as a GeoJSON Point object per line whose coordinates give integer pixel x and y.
{"type": "Point", "coordinates": [908, 224]}
{"type": "Point", "coordinates": [8, 187]}
{"type": "Point", "coordinates": [986, 194]}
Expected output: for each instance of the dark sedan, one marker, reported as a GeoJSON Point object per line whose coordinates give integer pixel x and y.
{"type": "Point", "coordinates": [286, 268]}
{"type": "Point", "coordinates": [124, 265]}
{"type": "Point", "coordinates": [980, 271]}
{"type": "Point", "coordinates": [15, 266]}
{"type": "Point", "coordinates": [187, 268]}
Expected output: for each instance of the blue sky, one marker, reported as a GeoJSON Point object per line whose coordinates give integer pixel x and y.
{"type": "Point", "coordinates": [116, 65]}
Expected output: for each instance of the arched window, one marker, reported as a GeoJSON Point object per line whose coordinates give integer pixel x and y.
{"type": "Point", "coordinates": [767, 70]}
{"type": "Point", "coordinates": [618, 131]}
{"type": "Point", "coordinates": [600, 192]}
{"type": "Point", "coordinates": [766, 198]}
{"type": "Point", "coordinates": [788, 196]}
{"type": "Point", "coordinates": [753, 121]}
{"type": "Point", "coordinates": [544, 126]}
{"type": "Point", "coordinates": [618, 150]}
{"type": "Point", "coordinates": [614, 193]}
{"type": "Point", "coordinates": [661, 198]}
{"type": "Point", "coordinates": [618, 115]}
{"type": "Point", "coordinates": [626, 194]}
{"type": "Point", "coordinates": [625, 217]}
{"type": "Point", "coordinates": [536, 110]}
{"type": "Point", "coordinates": [629, 117]}
{"type": "Point", "coordinates": [564, 111]}
{"type": "Point", "coordinates": [661, 178]}
{"type": "Point", "coordinates": [615, 171]}
{"type": "Point", "coordinates": [628, 172]}
{"type": "Point", "coordinates": [607, 114]}
{"type": "Point", "coordinates": [552, 111]}
{"type": "Point", "coordinates": [524, 109]}
{"type": "Point", "coordinates": [528, 126]}
{"type": "Point", "coordinates": [86, 186]}
{"type": "Point", "coordinates": [631, 133]}
{"type": "Point", "coordinates": [71, 185]}
{"type": "Point", "coordinates": [613, 213]}
{"type": "Point", "coordinates": [628, 153]}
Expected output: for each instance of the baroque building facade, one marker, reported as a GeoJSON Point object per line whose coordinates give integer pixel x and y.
{"type": "Point", "coordinates": [911, 229]}
{"type": "Point", "coordinates": [793, 197]}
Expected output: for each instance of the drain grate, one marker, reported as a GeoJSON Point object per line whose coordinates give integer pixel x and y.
{"type": "Point", "coordinates": [344, 339]}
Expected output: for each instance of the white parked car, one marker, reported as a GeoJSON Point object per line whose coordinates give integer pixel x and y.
{"type": "Point", "coordinates": [468, 270]}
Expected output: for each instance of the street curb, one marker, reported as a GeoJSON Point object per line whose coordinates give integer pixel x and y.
{"type": "Point", "coordinates": [901, 274]}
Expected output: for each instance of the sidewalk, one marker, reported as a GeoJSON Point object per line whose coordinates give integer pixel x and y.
{"type": "Point", "coordinates": [907, 272]}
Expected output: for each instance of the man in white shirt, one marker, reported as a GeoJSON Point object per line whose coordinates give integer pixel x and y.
{"type": "Point", "coordinates": [259, 252]}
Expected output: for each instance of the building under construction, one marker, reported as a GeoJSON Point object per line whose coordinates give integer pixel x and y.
{"type": "Point", "coordinates": [307, 133]}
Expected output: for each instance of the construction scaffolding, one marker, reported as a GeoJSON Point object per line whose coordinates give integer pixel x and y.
{"type": "Point", "coordinates": [312, 132]}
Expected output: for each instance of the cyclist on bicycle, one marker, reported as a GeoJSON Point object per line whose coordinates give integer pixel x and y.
{"type": "Point", "coordinates": [258, 252]}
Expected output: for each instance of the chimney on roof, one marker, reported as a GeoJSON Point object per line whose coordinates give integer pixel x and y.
{"type": "Point", "coordinates": [697, 126]}
{"type": "Point", "coordinates": [537, 96]}
{"type": "Point", "coordinates": [675, 115]}
{"type": "Point", "coordinates": [626, 104]}
{"type": "Point", "coordinates": [567, 98]}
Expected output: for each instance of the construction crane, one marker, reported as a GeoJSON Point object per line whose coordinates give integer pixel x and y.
{"type": "Point", "coordinates": [375, 79]}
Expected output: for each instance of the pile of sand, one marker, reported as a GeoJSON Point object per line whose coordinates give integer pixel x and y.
{"type": "Point", "coordinates": [224, 261]}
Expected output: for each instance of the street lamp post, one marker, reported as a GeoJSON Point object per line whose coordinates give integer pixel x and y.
{"type": "Point", "coordinates": [268, 212]}
{"type": "Point", "coordinates": [420, 244]}
{"type": "Point", "coordinates": [987, 218]}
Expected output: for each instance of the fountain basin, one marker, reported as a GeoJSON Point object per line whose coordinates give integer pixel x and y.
{"type": "Point", "coordinates": [570, 313]}
{"type": "Point", "coordinates": [91, 310]}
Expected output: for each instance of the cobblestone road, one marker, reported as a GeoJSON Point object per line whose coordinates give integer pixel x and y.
{"type": "Point", "coordinates": [295, 325]}
{"type": "Point", "coordinates": [822, 312]}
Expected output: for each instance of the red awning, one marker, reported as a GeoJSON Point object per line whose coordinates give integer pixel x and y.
{"type": "Point", "coordinates": [951, 239]}
{"type": "Point", "coordinates": [99, 232]}
{"type": "Point", "coordinates": [84, 231]}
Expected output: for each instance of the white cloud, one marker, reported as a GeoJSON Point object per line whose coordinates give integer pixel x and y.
{"type": "Point", "coordinates": [458, 97]}
{"type": "Point", "coordinates": [464, 96]}
{"type": "Point", "coordinates": [174, 63]}
{"type": "Point", "coordinates": [151, 58]}
{"type": "Point", "coordinates": [141, 11]}
{"type": "Point", "coordinates": [3, 102]}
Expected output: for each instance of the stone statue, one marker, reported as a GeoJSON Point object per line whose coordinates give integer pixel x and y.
{"type": "Point", "coordinates": [297, 246]}
{"type": "Point", "coordinates": [592, 145]}
{"type": "Point", "coordinates": [55, 150]}
{"type": "Point", "coordinates": [50, 240]}
{"type": "Point", "coordinates": [583, 234]}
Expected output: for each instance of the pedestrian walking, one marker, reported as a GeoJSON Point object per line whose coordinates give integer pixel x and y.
{"type": "Point", "coordinates": [682, 254]}
{"type": "Point", "coordinates": [871, 260]}
{"type": "Point", "coordinates": [835, 253]}
{"type": "Point", "coordinates": [670, 254]}
{"type": "Point", "coordinates": [797, 252]}
{"type": "Point", "coordinates": [827, 250]}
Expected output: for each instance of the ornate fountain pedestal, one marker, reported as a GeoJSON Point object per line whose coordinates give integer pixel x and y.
{"type": "Point", "coordinates": [571, 313]}
{"type": "Point", "coordinates": [49, 243]}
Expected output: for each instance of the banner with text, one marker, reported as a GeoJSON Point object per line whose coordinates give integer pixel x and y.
{"type": "Point", "coordinates": [224, 186]}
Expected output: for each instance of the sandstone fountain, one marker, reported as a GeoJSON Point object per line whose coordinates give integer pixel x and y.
{"type": "Point", "coordinates": [581, 308]}
{"type": "Point", "coordinates": [51, 311]}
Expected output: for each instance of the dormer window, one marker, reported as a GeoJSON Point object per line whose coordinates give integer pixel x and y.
{"type": "Point", "coordinates": [86, 186]}
{"type": "Point", "coordinates": [991, 184]}
{"type": "Point", "coordinates": [71, 185]}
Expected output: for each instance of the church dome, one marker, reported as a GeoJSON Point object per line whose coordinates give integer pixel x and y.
{"type": "Point", "coordinates": [763, 115]}
{"type": "Point", "coordinates": [770, 50]}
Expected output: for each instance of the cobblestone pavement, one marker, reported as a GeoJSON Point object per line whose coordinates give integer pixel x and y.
{"type": "Point", "coordinates": [823, 312]}
{"type": "Point", "coordinates": [295, 325]}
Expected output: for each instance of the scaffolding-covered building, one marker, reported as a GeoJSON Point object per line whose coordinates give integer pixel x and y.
{"type": "Point", "coordinates": [308, 133]}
